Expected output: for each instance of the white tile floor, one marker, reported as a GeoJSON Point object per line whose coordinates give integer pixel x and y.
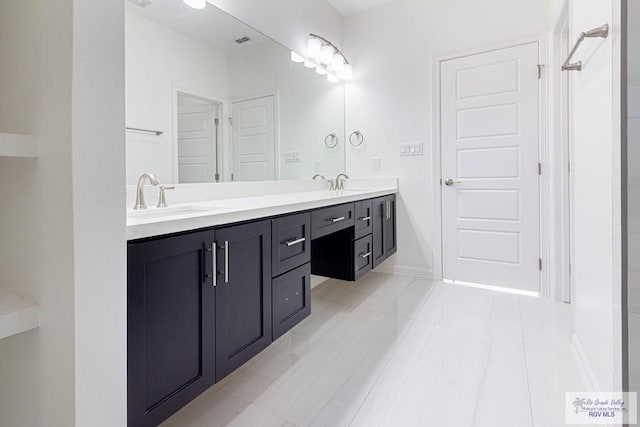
{"type": "Point", "coordinates": [394, 350]}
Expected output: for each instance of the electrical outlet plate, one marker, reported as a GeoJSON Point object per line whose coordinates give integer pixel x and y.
{"type": "Point", "coordinates": [411, 149]}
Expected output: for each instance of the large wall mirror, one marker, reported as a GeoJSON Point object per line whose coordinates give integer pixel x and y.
{"type": "Point", "coordinates": [210, 99]}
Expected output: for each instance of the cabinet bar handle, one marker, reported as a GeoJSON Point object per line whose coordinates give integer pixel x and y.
{"type": "Point", "coordinates": [367, 255]}
{"type": "Point", "coordinates": [295, 242]}
{"type": "Point", "coordinates": [365, 218]}
{"type": "Point", "coordinates": [337, 219]}
{"type": "Point", "coordinates": [226, 261]}
{"type": "Point", "coordinates": [388, 206]}
{"type": "Point", "coordinates": [214, 264]}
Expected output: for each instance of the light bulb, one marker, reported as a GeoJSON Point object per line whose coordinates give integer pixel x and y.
{"type": "Point", "coordinates": [196, 4]}
{"type": "Point", "coordinates": [326, 56]}
{"type": "Point", "coordinates": [314, 48]}
{"type": "Point", "coordinates": [296, 58]}
{"type": "Point", "coordinates": [321, 70]}
{"type": "Point", "coordinates": [338, 62]}
{"type": "Point", "coordinates": [347, 72]}
{"type": "Point", "coordinates": [309, 64]}
{"type": "Point", "coordinates": [332, 78]}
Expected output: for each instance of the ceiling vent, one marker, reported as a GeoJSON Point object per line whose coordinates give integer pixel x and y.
{"type": "Point", "coordinates": [141, 3]}
{"type": "Point", "coordinates": [242, 40]}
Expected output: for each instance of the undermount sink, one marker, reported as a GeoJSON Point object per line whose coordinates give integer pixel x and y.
{"type": "Point", "coordinates": [170, 211]}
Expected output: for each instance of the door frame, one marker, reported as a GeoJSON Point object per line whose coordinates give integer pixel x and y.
{"type": "Point", "coordinates": [560, 130]}
{"type": "Point", "coordinates": [175, 92]}
{"type": "Point", "coordinates": [543, 154]}
{"type": "Point", "coordinates": [276, 123]}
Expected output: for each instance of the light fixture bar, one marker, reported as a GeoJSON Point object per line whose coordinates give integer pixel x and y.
{"type": "Point", "coordinates": [346, 61]}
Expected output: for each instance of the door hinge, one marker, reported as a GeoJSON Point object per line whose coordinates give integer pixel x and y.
{"type": "Point", "coordinates": [217, 177]}
{"type": "Point", "coordinates": [540, 68]}
{"type": "Point", "coordinates": [232, 177]}
{"type": "Point", "coordinates": [216, 121]}
{"type": "Point", "coordinates": [540, 264]}
{"type": "Point", "coordinates": [539, 168]}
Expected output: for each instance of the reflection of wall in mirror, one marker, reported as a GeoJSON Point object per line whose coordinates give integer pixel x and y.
{"type": "Point", "coordinates": [309, 108]}
{"type": "Point", "coordinates": [160, 61]}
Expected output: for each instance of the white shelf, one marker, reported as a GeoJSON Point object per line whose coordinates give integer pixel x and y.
{"type": "Point", "coordinates": [17, 314]}
{"type": "Point", "coordinates": [15, 145]}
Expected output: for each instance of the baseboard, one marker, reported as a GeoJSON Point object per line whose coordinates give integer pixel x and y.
{"type": "Point", "coordinates": [582, 364]}
{"type": "Point", "coordinates": [405, 271]}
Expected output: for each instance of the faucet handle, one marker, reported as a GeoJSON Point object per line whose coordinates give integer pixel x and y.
{"type": "Point", "coordinates": [162, 199]}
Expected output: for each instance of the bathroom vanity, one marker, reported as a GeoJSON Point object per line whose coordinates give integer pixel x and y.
{"type": "Point", "coordinates": [210, 289]}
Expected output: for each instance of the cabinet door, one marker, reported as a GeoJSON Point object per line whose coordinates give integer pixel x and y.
{"type": "Point", "coordinates": [170, 325]}
{"type": "Point", "coordinates": [291, 299]}
{"type": "Point", "coordinates": [384, 228]}
{"type": "Point", "coordinates": [243, 294]}
{"type": "Point", "coordinates": [390, 245]}
{"type": "Point", "coordinates": [363, 251]}
{"type": "Point", "coordinates": [379, 218]}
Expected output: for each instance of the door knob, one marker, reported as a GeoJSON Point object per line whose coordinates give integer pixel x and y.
{"type": "Point", "coordinates": [449, 182]}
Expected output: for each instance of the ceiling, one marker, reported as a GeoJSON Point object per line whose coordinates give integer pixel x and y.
{"type": "Point", "coordinates": [210, 25]}
{"type": "Point", "coordinates": [351, 7]}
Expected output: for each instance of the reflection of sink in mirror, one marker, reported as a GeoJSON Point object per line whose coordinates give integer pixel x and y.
{"type": "Point", "coordinates": [201, 83]}
{"type": "Point", "coordinates": [171, 211]}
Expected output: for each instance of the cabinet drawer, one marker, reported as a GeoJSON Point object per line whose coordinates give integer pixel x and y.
{"type": "Point", "coordinates": [291, 295]}
{"type": "Point", "coordinates": [290, 242]}
{"type": "Point", "coordinates": [363, 256]}
{"type": "Point", "coordinates": [328, 220]}
{"type": "Point", "coordinates": [363, 218]}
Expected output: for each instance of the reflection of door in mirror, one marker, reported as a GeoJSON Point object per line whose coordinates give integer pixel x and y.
{"type": "Point", "coordinates": [198, 136]}
{"type": "Point", "coordinates": [254, 139]}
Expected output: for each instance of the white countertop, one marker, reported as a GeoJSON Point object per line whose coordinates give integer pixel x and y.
{"type": "Point", "coordinates": [202, 214]}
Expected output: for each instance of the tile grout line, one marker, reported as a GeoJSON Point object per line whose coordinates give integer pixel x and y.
{"type": "Point", "coordinates": [393, 353]}
{"type": "Point", "coordinates": [526, 365]}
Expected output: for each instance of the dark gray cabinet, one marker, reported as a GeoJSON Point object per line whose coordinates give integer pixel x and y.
{"type": "Point", "coordinates": [290, 242]}
{"type": "Point", "coordinates": [325, 221]}
{"type": "Point", "coordinates": [291, 299]}
{"type": "Point", "coordinates": [384, 228]}
{"type": "Point", "coordinates": [363, 218]}
{"type": "Point", "coordinates": [243, 294]}
{"type": "Point", "coordinates": [203, 303]}
{"type": "Point", "coordinates": [170, 329]}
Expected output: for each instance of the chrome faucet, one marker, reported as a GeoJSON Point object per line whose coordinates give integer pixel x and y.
{"type": "Point", "coordinates": [140, 204]}
{"type": "Point", "coordinates": [339, 185]}
{"type": "Point", "coordinates": [318, 176]}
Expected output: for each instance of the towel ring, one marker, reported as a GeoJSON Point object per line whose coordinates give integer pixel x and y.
{"type": "Point", "coordinates": [332, 136]}
{"type": "Point", "coordinates": [359, 135]}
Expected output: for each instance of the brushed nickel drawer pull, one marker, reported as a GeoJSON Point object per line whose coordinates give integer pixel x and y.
{"type": "Point", "coordinates": [226, 261]}
{"type": "Point", "coordinates": [365, 218]}
{"type": "Point", "coordinates": [337, 219]}
{"type": "Point", "coordinates": [367, 255]}
{"type": "Point", "coordinates": [295, 242]}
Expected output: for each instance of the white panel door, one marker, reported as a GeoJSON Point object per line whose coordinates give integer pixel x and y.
{"type": "Point", "coordinates": [196, 143]}
{"type": "Point", "coordinates": [254, 140]}
{"type": "Point", "coordinates": [490, 195]}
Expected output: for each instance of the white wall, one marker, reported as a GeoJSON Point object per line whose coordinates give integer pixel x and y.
{"type": "Point", "coordinates": [287, 21]}
{"type": "Point", "coordinates": [309, 107]}
{"type": "Point", "coordinates": [158, 62]}
{"type": "Point", "coordinates": [391, 98]}
{"type": "Point", "coordinates": [36, 248]}
{"type": "Point", "coordinates": [63, 80]}
{"type": "Point", "coordinates": [595, 115]}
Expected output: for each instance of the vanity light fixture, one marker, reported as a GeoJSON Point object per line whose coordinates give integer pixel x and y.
{"type": "Point", "coordinates": [326, 58]}
{"type": "Point", "coordinates": [196, 4]}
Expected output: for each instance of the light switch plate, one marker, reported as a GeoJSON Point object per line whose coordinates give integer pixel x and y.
{"type": "Point", "coordinates": [292, 157]}
{"type": "Point", "coordinates": [375, 163]}
{"type": "Point", "coordinates": [411, 149]}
